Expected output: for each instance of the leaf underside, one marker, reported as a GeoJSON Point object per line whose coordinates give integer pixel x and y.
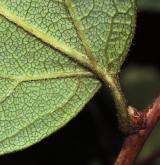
{"type": "Point", "coordinates": [47, 52]}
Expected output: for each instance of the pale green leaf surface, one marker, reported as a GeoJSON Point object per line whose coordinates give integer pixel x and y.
{"type": "Point", "coordinates": [45, 50]}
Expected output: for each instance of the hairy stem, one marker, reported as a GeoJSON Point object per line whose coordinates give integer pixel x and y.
{"type": "Point", "coordinates": [120, 102]}
{"type": "Point", "coordinates": [112, 81]}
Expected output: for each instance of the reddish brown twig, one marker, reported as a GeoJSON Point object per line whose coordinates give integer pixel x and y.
{"type": "Point", "coordinates": [133, 143]}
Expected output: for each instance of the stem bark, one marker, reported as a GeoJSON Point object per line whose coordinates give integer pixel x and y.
{"type": "Point", "coordinates": [134, 142]}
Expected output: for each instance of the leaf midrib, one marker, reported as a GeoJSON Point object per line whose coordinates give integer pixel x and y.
{"type": "Point", "coordinates": [84, 60]}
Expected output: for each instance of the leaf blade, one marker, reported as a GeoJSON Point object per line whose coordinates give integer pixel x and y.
{"type": "Point", "coordinates": [42, 59]}
{"type": "Point", "coordinates": [54, 119]}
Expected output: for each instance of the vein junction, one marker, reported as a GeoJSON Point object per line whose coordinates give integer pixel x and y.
{"type": "Point", "coordinates": [86, 61]}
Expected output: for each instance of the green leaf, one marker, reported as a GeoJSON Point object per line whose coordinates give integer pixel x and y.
{"type": "Point", "coordinates": [52, 55]}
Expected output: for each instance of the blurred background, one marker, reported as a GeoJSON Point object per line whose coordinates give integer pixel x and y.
{"type": "Point", "coordinates": [93, 138]}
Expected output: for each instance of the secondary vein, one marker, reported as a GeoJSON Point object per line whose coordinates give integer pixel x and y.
{"type": "Point", "coordinates": [45, 76]}
{"type": "Point", "coordinates": [79, 57]}
{"type": "Point", "coordinates": [62, 47]}
{"type": "Point", "coordinates": [43, 115]}
{"type": "Point", "coordinates": [10, 91]}
{"type": "Point", "coordinates": [80, 29]}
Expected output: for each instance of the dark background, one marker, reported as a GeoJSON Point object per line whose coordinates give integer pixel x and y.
{"type": "Point", "coordinates": [93, 138]}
